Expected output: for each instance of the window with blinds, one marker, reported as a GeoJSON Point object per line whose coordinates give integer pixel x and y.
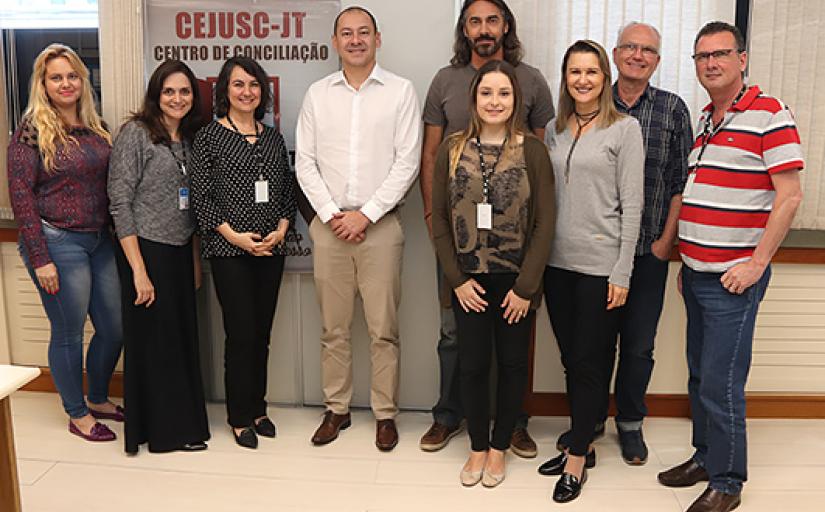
{"type": "Point", "coordinates": [787, 60]}
{"type": "Point", "coordinates": [546, 29]}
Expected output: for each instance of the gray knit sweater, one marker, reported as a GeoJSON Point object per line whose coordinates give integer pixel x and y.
{"type": "Point", "coordinates": [599, 204]}
{"type": "Point", "coordinates": [144, 181]}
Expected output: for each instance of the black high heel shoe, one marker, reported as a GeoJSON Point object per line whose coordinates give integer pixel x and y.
{"type": "Point", "coordinates": [555, 466]}
{"type": "Point", "coordinates": [569, 487]}
{"type": "Point", "coordinates": [246, 438]}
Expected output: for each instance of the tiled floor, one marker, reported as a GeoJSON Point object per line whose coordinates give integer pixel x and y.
{"type": "Point", "coordinates": [60, 472]}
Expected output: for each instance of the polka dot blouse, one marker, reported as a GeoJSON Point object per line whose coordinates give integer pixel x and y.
{"type": "Point", "coordinates": [225, 168]}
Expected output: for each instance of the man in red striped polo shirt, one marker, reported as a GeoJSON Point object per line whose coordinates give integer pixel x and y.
{"type": "Point", "coordinates": [740, 198]}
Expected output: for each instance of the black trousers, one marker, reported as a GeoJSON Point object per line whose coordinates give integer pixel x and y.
{"type": "Point", "coordinates": [586, 334]}
{"type": "Point", "coordinates": [163, 389]}
{"type": "Point", "coordinates": [477, 332]}
{"type": "Point", "coordinates": [247, 289]}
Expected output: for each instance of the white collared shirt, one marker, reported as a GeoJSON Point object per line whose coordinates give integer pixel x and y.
{"type": "Point", "coordinates": [358, 149]}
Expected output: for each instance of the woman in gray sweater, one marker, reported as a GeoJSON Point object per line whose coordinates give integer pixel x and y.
{"type": "Point", "coordinates": [159, 266]}
{"type": "Point", "coordinates": [598, 159]}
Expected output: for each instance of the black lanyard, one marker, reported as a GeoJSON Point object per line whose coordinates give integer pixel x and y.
{"type": "Point", "coordinates": [257, 133]}
{"type": "Point", "coordinates": [180, 162]}
{"type": "Point", "coordinates": [256, 148]}
{"type": "Point", "coordinates": [708, 131]}
{"type": "Point", "coordinates": [485, 173]}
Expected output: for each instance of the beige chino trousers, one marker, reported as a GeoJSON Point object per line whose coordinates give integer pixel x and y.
{"type": "Point", "coordinates": [372, 269]}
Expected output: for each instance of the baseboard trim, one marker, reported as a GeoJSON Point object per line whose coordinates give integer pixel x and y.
{"type": "Point", "coordinates": [44, 382]}
{"type": "Point", "coordinates": [760, 405]}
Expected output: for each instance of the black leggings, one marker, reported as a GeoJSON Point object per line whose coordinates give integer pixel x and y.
{"type": "Point", "coordinates": [586, 333]}
{"type": "Point", "coordinates": [476, 335]}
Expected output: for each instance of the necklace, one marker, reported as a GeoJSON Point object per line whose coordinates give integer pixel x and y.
{"type": "Point", "coordinates": [244, 135]}
{"type": "Point", "coordinates": [582, 120]}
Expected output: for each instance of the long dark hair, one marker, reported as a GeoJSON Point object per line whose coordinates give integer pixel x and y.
{"type": "Point", "coordinates": [150, 114]}
{"type": "Point", "coordinates": [252, 68]}
{"type": "Point", "coordinates": [463, 48]}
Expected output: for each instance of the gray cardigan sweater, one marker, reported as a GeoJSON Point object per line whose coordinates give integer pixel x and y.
{"type": "Point", "coordinates": [600, 203]}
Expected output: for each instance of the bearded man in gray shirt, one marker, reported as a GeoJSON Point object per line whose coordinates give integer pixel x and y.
{"type": "Point", "coordinates": [486, 30]}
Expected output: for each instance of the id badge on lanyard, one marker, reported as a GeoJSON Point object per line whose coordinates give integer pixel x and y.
{"type": "Point", "coordinates": [183, 189]}
{"type": "Point", "coordinates": [183, 198]}
{"type": "Point", "coordinates": [484, 216]}
{"type": "Point", "coordinates": [262, 191]}
{"type": "Point", "coordinates": [484, 210]}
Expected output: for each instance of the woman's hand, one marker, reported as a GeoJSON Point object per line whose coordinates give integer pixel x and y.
{"type": "Point", "coordinates": [616, 296]}
{"type": "Point", "coordinates": [47, 278]}
{"type": "Point", "coordinates": [251, 243]}
{"type": "Point", "coordinates": [469, 296]}
{"type": "Point", "coordinates": [144, 289]}
{"type": "Point", "coordinates": [273, 239]}
{"type": "Point", "coordinates": [515, 308]}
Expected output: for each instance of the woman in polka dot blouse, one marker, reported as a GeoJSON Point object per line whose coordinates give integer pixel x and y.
{"type": "Point", "coordinates": [244, 199]}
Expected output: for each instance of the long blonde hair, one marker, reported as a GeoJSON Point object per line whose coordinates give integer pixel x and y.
{"type": "Point", "coordinates": [609, 114]}
{"type": "Point", "coordinates": [52, 132]}
{"type": "Point", "coordinates": [514, 128]}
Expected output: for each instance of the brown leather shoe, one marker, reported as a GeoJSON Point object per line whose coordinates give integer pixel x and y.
{"type": "Point", "coordinates": [684, 475]}
{"type": "Point", "coordinates": [330, 426]}
{"type": "Point", "coordinates": [715, 501]}
{"type": "Point", "coordinates": [522, 444]}
{"type": "Point", "coordinates": [386, 435]}
{"type": "Point", "coordinates": [438, 436]}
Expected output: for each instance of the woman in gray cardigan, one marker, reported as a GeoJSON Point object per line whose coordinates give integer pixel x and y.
{"type": "Point", "coordinates": [598, 159]}
{"type": "Point", "coordinates": [159, 266]}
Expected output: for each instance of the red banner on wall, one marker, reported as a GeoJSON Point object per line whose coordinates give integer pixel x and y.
{"type": "Point", "coordinates": [289, 38]}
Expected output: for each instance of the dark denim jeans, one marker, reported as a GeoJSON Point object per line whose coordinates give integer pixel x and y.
{"type": "Point", "coordinates": [88, 284]}
{"type": "Point", "coordinates": [448, 410]}
{"type": "Point", "coordinates": [719, 345]}
{"type": "Point", "coordinates": [637, 332]}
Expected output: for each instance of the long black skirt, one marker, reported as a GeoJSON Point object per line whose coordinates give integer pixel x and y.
{"type": "Point", "coordinates": [163, 387]}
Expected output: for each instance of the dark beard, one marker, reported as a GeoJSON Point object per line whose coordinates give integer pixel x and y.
{"type": "Point", "coordinates": [486, 50]}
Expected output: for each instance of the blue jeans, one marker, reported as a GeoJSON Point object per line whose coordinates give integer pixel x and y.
{"type": "Point", "coordinates": [719, 345]}
{"type": "Point", "coordinates": [637, 332]}
{"type": "Point", "coordinates": [88, 283]}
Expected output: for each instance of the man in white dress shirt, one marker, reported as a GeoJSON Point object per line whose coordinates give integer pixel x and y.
{"type": "Point", "coordinates": [358, 143]}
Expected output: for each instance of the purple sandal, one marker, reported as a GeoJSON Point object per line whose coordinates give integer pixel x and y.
{"type": "Point", "coordinates": [118, 415]}
{"type": "Point", "coordinates": [100, 432]}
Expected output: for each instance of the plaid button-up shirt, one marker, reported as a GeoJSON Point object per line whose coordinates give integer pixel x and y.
{"type": "Point", "coordinates": [668, 137]}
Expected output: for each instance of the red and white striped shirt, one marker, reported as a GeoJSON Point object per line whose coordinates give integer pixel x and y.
{"type": "Point", "coordinates": [729, 193]}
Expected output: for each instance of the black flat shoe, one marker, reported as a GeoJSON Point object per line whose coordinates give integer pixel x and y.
{"type": "Point", "coordinates": [555, 466]}
{"type": "Point", "coordinates": [246, 438]}
{"type": "Point", "coordinates": [198, 446]}
{"type": "Point", "coordinates": [266, 428]}
{"type": "Point", "coordinates": [568, 487]}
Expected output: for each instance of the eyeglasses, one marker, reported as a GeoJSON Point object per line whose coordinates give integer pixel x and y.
{"type": "Point", "coordinates": [647, 51]}
{"type": "Point", "coordinates": [702, 57]}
